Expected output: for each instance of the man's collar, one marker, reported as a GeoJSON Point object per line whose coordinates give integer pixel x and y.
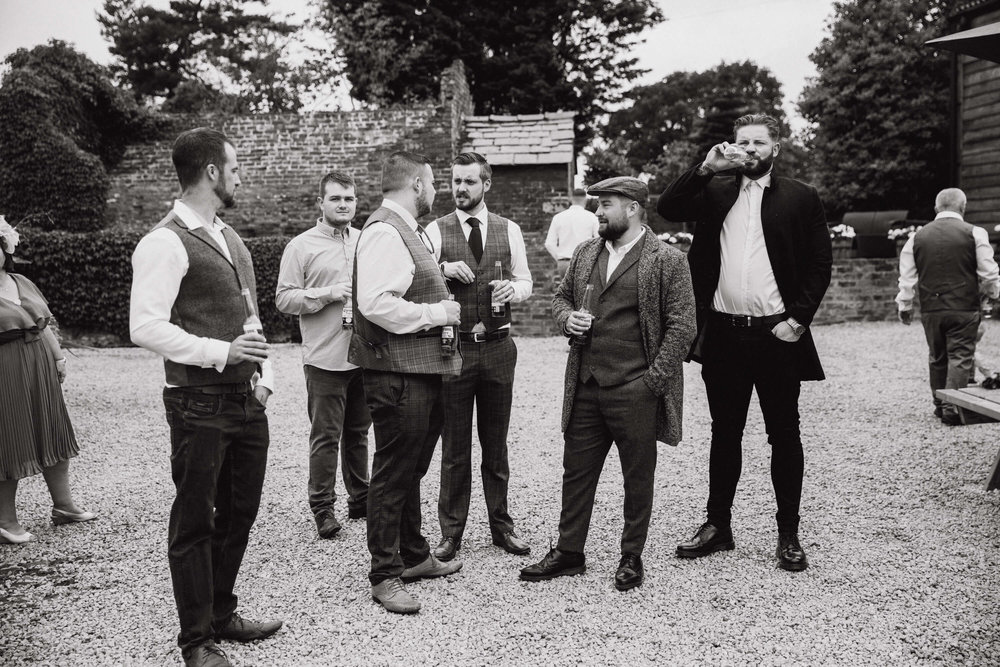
{"type": "Point", "coordinates": [628, 246]}
{"type": "Point", "coordinates": [463, 217]}
{"type": "Point", "coordinates": [331, 231]}
{"type": "Point", "coordinates": [192, 220]}
{"type": "Point", "coordinates": [949, 214]}
{"type": "Point", "coordinates": [401, 212]}
{"type": "Point", "coordinates": [764, 181]}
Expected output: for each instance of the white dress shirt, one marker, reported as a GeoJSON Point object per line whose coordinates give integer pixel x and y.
{"type": "Point", "coordinates": [385, 271]}
{"type": "Point", "coordinates": [159, 263]}
{"type": "Point", "coordinates": [615, 257]}
{"type": "Point", "coordinates": [569, 229]}
{"type": "Point", "coordinates": [519, 273]}
{"type": "Point", "coordinates": [986, 266]}
{"type": "Point", "coordinates": [746, 278]}
{"type": "Point", "coordinates": [313, 263]}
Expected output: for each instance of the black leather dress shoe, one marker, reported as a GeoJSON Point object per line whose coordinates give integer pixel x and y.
{"type": "Point", "coordinates": [555, 564]}
{"type": "Point", "coordinates": [707, 540]}
{"type": "Point", "coordinates": [951, 419]}
{"type": "Point", "coordinates": [512, 544]}
{"type": "Point", "coordinates": [790, 555]}
{"type": "Point", "coordinates": [447, 549]}
{"type": "Point", "coordinates": [239, 629]}
{"type": "Point", "coordinates": [326, 524]}
{"type": "Point", "coordinates": [359, 512]}
{"type": "Point", "coordinates": [630, 572]}
{"type": "Point", "coordinates": [206, 655]}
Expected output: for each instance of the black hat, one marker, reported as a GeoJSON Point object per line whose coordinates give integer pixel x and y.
{"type": "Point", "coordinates": [626, 186]}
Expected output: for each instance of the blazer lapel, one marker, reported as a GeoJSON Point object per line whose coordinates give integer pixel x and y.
{"type": "Point", "coordinates": [631, 257]}
{"type": "Point", "coordinates": [202, 234]}
{"type": "Point", "coordinates": [649, 287]}
{"type": "Point", "coordinates": [586, 263]}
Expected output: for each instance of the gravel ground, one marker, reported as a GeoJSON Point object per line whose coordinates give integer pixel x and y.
{"type": "Point", "coordinates": [902, 539]}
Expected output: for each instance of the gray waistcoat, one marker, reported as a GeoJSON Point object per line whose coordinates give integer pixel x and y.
{"type": "Point", "coordinates": [945, 255]}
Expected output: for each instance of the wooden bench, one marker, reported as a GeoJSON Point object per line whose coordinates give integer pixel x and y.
{"type": "Point", "coordinates": [977, 401]}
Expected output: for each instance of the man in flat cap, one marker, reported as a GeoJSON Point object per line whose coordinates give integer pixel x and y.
{"type": "Point", "coordinates": [624, 381]}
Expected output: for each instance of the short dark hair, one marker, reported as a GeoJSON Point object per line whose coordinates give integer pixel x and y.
{"type": "Point", "coordinates": [772, 125]}
{"type": "Point", "coordinates": [579, 192]}
{"type": "Point", "coordinates": [471, 157]}
{"type": "Point", "coordinates": [400, 167]}
{"type": "Point", "coordinates": [196, 149]}
{"type": "Point", "coordinates": [339, 177]}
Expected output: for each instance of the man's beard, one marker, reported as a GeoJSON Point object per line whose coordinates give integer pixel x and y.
{"type": "Point", "coordinates": [470, 203]}
{"type": "Point", "coordinates": [609, 233]}
{"type": "Point", "coordinates": [228, 199]}
{"type": "Point", "coordinates": [424, 206]}
{"type": "Point", "coordinates": [759, 168]}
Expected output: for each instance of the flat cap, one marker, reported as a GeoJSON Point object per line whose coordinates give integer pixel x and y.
{"type": "Point", "coordinates": [626, 186]}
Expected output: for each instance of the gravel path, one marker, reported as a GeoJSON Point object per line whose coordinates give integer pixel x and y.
{"type": "Point", "coordinates": [902, 539]}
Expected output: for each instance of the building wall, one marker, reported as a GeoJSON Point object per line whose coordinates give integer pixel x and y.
{"type": "Point", "coordinates": [979, 130]}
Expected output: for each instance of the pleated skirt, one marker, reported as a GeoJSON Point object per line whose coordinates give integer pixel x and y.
{"type": "Point", "coordinates": [35, 431]}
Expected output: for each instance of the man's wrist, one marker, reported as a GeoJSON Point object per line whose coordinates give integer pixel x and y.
{"type": "Point", "coordinates": [704, 169]}
{"type": "Point", "coordinates": [797, 329]}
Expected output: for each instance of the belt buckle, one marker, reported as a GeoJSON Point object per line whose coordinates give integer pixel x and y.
{"type": "Point", "coordinates": [478, 336]}
{"type": "Point", "coordinates": [741, 321]}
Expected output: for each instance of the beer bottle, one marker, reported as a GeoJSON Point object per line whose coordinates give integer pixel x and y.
{"type": "Point", "coordinates": [498, 308]}
{"type": "Point", "coordinates": [448, 336]}
{"type": "Point", "coordinates": [347, 317]}
{"type": "Point", "coordinates": [251, 323]}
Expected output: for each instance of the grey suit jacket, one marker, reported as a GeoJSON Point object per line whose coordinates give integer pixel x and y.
{"type": "Point", "coordinates": [666, 317]}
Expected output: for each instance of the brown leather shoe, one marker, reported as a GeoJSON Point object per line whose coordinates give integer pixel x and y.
{"type": "Point", "coordinates": [512, 544]}
{"type": "Point", "coordinates": [239, 629]}
{"type": "Point", "coordinates": [790, 555]}
{"type": "Point", "coordinates": [431, 568]}
{"type": "Point", "coordinates": [707, 540]}
{"type": "Point", "coordinates": [447, 549]}
{"type": "Point", "coordinates": [392, 595]}
{"type": "Point", "coordinates": [206, 655]}
{"type": "Point", "coordinates": [326, 524]}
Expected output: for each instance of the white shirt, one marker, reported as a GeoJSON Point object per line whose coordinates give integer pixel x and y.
{"type": "Point", "coordinates": [569, 229]}
{"type": "Point", "coordinates": [615, 257]}
{"type": "Point", "coordinates": [746, 278]}
{"type": "Point", "coordinates": [986, 266]}
{"type": "Point", "coordinates": [385, 271]}
{"type": "Point", "coordinates": [519, 272]}
{"type": "Point", "coordinates": [159, 263]}
{"type": "Point", "coordinates": [312, 264]}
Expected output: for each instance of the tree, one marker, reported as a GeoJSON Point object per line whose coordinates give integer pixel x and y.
{"type": "Point", "coordinates": [63, 123]}
{"type": "Point", "coordinates": [667, 126]}
{"type": "Point", "coordinates": [522, 56]}
{"type": "Point", "coordinates": [878, 106]}
{"type": "Point", "coordinates": [203, 54]}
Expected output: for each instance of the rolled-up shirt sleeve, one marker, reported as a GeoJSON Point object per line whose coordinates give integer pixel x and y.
{"type": "Point", "coordinates": [385, 272]}
{"type": "Point", "coordinates": [519, 272]}
{"type": "Point", "coordinates": [907, 276]}
{"type": "Point", "coordinates": [159, 263]}
{"type": "Point", "coordinates": [986, 265]}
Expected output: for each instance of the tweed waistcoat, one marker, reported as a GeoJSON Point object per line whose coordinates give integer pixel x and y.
{"type": "Point", "coordinates": [945, 255]}
{"type": "Point", "coordinates": [476, 297]}
{"type": "Point", "coordinates": [209, 303]}
{"type": "Point", "coordinates": [615, 353]}
{"type": "Point", "coordinates": [375, 348]}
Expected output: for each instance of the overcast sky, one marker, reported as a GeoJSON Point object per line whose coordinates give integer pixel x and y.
{"type": "Point", "coordinates": [697, 35]}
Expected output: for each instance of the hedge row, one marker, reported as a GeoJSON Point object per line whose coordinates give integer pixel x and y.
{"type": "Point", "coordinates": [86, 279]}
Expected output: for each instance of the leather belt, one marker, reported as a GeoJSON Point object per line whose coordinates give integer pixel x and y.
{"type": "Point", "coordinates": [747, 321]}
{"type": "Point", "coordinates": [482, 336]}
{"type": "Point", "coordinates": [220, 389]}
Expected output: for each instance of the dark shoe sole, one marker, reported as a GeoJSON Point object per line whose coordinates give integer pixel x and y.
{"type": "Point", "coordinates": [568, 572]}
{"type": "Point", "coordinates": [628, 587]}
{"type": "Point", "coordinates": [246, 640]}
{"type": "Point", "coordinates": [790, 567]}
{"type": "Point", "coordinates": [395, 611]}
{"type": "Point", "coordinates": [328, 535]}
{"type": "Point", "coordinates": [516, 552]}
{"type": "Point", "coordinates": [357, 514]}
{"type": "Point", "coordinates": [445, 558]}
{"type": "Point", "coordinates": [691, 553]}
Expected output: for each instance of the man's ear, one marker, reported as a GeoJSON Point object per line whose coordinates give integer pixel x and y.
{"type": "Point", "coordinates": [487, 184]}
{"type": "Point", "coordinates": [212, 171]}
{"type": "Point", "coordinates": [777, 149]}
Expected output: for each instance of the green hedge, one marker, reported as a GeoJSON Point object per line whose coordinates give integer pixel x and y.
{"type": "Point", "coordinates": [86, 279]}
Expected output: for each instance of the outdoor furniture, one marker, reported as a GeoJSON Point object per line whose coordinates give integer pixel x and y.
{"type": "Point", "coordinates": [871, 229]}
{"type": "Point", "coordinates": [984, 405]}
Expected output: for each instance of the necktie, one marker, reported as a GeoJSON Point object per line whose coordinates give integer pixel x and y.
{"type": "Point", "coordinates": [475, 239]}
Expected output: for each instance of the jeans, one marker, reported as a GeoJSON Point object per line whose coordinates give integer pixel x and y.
{"type": "Point", "coordinates": [217, 462]}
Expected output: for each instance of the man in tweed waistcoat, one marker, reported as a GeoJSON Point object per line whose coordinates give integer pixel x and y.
{"type": "Point", "coordinates": [400, 304]}
{"type": "Point", "coordinates": [469, 243]}
{"type": "Point", "coordinates": [625, 383]}
{"type": "Point", "coordinates": [186, 306]}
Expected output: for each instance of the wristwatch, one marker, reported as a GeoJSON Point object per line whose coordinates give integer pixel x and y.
{"type": "Point", "coordinates": [797, 328]}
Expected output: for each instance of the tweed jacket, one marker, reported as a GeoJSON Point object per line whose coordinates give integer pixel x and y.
{"type": "Point", "coordinates": [666, 317]}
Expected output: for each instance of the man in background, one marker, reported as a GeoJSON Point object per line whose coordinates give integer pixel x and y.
{"type": "Point", "coordinates": [314, 282]}
{"type": "Point", "coordinates": [950, 262]}
{"type": "Point", "coordinates": [569, 229]}
{"type": "Point", "coordinates": [469, 242]}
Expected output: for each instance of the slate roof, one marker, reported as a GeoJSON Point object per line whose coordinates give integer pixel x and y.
{"type": "Point", "coordinates": [544, 138]}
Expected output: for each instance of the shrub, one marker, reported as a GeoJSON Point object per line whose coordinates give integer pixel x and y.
{"type": "Point", "coordinates": [87, 279]}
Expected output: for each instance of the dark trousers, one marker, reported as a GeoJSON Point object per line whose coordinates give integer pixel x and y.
{"type": "Point", "coordinates": [340, 419]}
{"type": "Point", "coordinates": [407, 413]}
{"type": "Point", "coordinates": [736, 361]}
{"type": "Point", "coordinates": [951, 339]}
{"type": "Point", "coordinates": [487, 381]}
{"type": "Point", "coordinates": [626, 415]}
{"type": "Point", "coordinates": [218, 457]}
